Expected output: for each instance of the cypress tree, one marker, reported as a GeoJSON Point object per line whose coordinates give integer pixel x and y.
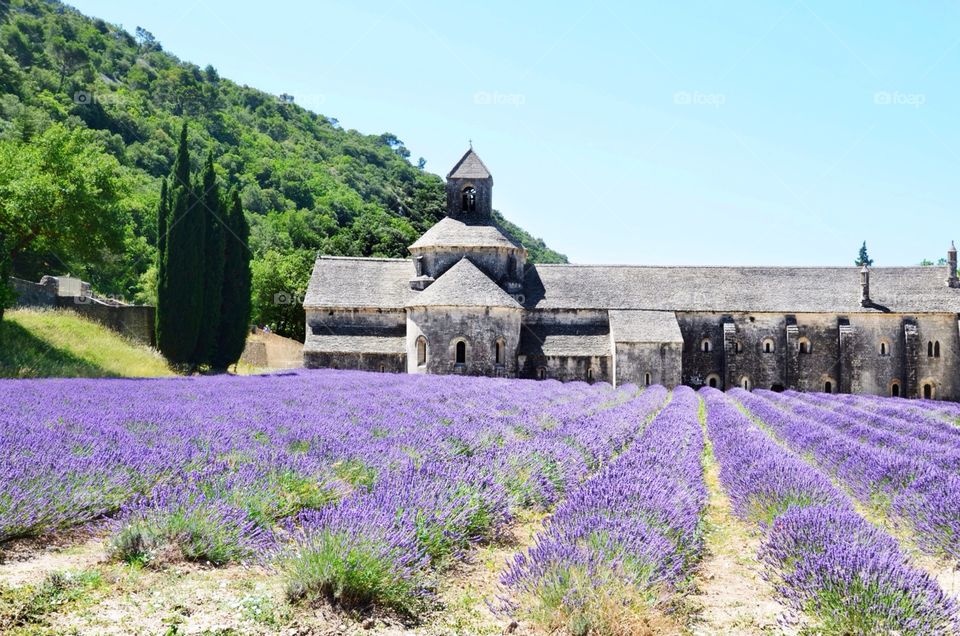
{"type": "Point", "coordinates": [213, 210]}
{"type": "Point", "coordinates": [163, 212]}
{"type": "Point", "coordinates": [235, 305]}
{"type": "Point", "coordinates": [180, 301]}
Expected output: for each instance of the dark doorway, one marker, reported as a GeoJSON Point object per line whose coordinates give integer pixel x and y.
{"type": "Point", "coordinates": [713, 383]}
{"type": "Point", "coordinates": [777, 388]}
{"type": "Point", "coordinates": [895, 390]}
{"type": "Point", "coordinates": [828, 387]}
{"type": "Point", "coordinates": [927, 391]}
{"type": "Point", "coordinates": [461, 352]}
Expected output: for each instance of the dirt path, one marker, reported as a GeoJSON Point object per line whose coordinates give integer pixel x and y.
{"type": "Point", "coordinates": [31, 560]}
{"type": "Point", "coordinates": [731, 595]}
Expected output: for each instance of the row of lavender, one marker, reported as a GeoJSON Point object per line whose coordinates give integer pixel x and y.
{"type": "Point", "coordinates": [624, 537]}
{"type": "Point", "coordinates": [905, 462]}
{"type": "Point", "coordinates": [824, 558]}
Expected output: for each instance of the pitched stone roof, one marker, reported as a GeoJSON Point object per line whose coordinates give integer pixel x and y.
{"type": "Point", "coordinates": [564, 340]}
{"type": "Point", "coordinates": [359, 282]}
{"type": "Point", "coordinates": [463, 285]}
{"type": "Point", "coordinates": [354, 344]}
{"type": "Point", "coordinates": [450, 232]}
{"type": "Point", "coordinates": [469, 167]}
{"type": "Point", "coordinates": [637, 325]}
{"type": "Point", "coordinates": [740, 289]}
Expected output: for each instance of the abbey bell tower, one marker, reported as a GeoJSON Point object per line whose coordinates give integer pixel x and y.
{"type": "Point", "coordinates": [470, 190]}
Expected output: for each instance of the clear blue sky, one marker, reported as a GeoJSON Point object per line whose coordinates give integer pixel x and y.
{"type": "Point", "coordinates": [743, 132]}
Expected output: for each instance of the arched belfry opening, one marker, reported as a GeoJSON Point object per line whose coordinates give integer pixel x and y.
{"type": "Point", "coordinates": [468, 200]}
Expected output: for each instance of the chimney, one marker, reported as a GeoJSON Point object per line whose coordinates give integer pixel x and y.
{"type": "Point", "coordinates": [865, 287]}
{"type": "Point", "coordinates": [952, 280]}
{"type": "Point", "coordinates": [421, 281]}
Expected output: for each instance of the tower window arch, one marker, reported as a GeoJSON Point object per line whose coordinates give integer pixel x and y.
{"type": "Point", "coordinates": [884, 348]}
{"type": "Point", "coordinates": [768, 345]}
{"type": "Point", "coordinates": [706, 345]}
{"type": "Point", "coordinates": [804, 346]}
{"type": "Point", "coordinates": [936, 349]}
{"type": "Point", "coordinates": [421, 351]}
{"type": "Point", "coordinates": [468, 200]}
{"type": "Point", "coordinates": [460, 354]}
{"type": "Point", "coordinates": [929, 348]}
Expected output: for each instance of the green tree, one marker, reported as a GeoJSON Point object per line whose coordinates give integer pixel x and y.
{"type": "Point", "coordinates": [6, 292]}
{"type": "Point", "coordinates": [279, 282]}
{"type": "Point", "coordinates": [180, 293]}
{"type": "Point", "coordinates": [163, 213]}
{"type": "Point", "coordinates": [863, 258]}
{"type": "Point", "coordinates": [60, 196]}
{"type": "Point", "coordinates": [235, 305]}
{"type": "Point", "coordinates": [213, 213]}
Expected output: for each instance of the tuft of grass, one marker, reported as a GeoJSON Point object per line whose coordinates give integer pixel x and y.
{"type": "Point", "coordinates": [28, 605]}
{"type": "Point", "coordinates": [355, 472]}
{"type": "Point", "coordinates": [59, 343]}
{"type": "Point", "coordinates": [579, 603]}
{"type": "Point", "coordinates": [351, 573]}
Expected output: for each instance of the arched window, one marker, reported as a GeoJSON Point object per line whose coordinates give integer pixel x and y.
{"type": "Point", "coordinates": [768, 345]}
{"type": "Point", "coordinates": [469, 200]}
{"type": "Point", "coordinates": [936, 349]}
{"type": "Point", "coordinates": [928, 391]}
{"type": "Point", "coordinates": [590, 374]}
{"type": "Point", "coordinates": [500, 351]}
{"type": "Point", "coordinates": [895, 389]}
{"type": "Point", "coordinates": [541, 373]}
{"type": "Point", "coordinates": [382, 368]}
{"type": "Point", "coordinates": [803, 346]}
{"type": "Point", "coordinates": [712, 382]}
{"type": "Point", "coordinates": [421, 351]}
{"type": "Point", "coordinates": [745, 383]}
{"type": "Point", "coordinates": [929, 348]}
{"type": "Point", "coordinates": [706, 345]}
{"type": "Point", "coordinates": [461, 357]}
{"type": "Point", "coordinates": [884, 348]}
{"type": "Point", "coordinates": [828, 387]}
{"type": "Point", "coordinates": [646, 379]}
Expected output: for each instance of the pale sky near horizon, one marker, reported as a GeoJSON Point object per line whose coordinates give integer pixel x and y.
{"type": "Point", "coordinates": [700, 133]}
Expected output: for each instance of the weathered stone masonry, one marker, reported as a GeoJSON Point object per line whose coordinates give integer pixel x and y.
{"type": "Point", "coordinates": [467, 302]}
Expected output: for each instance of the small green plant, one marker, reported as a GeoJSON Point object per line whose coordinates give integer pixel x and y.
{"type": "Point", "coordinates": [355, 472]}
{"type": "Point", "coordinates": [335, 568]}
{"type": "Point", "coordinates": [31, 603]}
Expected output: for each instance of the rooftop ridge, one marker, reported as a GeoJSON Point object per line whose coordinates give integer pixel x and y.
{"type": "Point", "coordinates": [326, 257]}
{"type": "Point", "coordinates": [689, 267]}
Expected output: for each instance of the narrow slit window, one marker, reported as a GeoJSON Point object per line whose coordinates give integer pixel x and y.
{"type": "Point", "coordinates": [461, 356]}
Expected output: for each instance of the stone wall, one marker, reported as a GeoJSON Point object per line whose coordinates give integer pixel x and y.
{"type": "Point", "coordinates": [373, 322]}
{"type": "Point", "coordinates": [501, 264]}
{"type": "Point", "coordinates": [133, 321]}
{"type": "Point", "coordinates": [479, 328]}
{"type": "Point", "coordinates": [857, 353]}
{"type": "Point", "coordinates": [661, 361]}
{"type": "Point", "coordinates": [566, 368]}
{"type": "Point", "coordinates": [377, 362]}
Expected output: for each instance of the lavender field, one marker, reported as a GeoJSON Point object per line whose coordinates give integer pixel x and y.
{"type": "Point", "coordinates": [336, 501]}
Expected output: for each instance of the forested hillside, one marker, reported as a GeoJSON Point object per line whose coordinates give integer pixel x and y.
{"type": "Point", "coordinates": [306, 184]}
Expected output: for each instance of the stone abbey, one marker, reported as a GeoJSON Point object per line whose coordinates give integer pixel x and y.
{"type": "Point", "coordinates": [467, 302]}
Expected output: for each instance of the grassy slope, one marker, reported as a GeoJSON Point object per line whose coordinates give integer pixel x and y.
{"type": "Point", "coordinates": [37, 344]}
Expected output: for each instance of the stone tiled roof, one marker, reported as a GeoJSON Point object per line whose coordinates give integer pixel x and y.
{"type": "Point", "coordinates": [359, 282]}
{"type": "Point", "coordinates": [354, 344]}
{"type": "Point", "coordinates": [746, 289]}
{"type": "Point", "coordinates": [564, 340]}
{"type": "Point", "coordinates": [450, 232]}
{"type": "Point", "coordinates": [463, 285]}
{"type": "Point", "coordinates": [637, 325]}
{"type": "Point", "coordinates": [469, 167]}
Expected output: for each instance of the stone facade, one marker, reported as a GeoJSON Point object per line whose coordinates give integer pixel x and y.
{"type": "Point", "coordinates": [467, 302]}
